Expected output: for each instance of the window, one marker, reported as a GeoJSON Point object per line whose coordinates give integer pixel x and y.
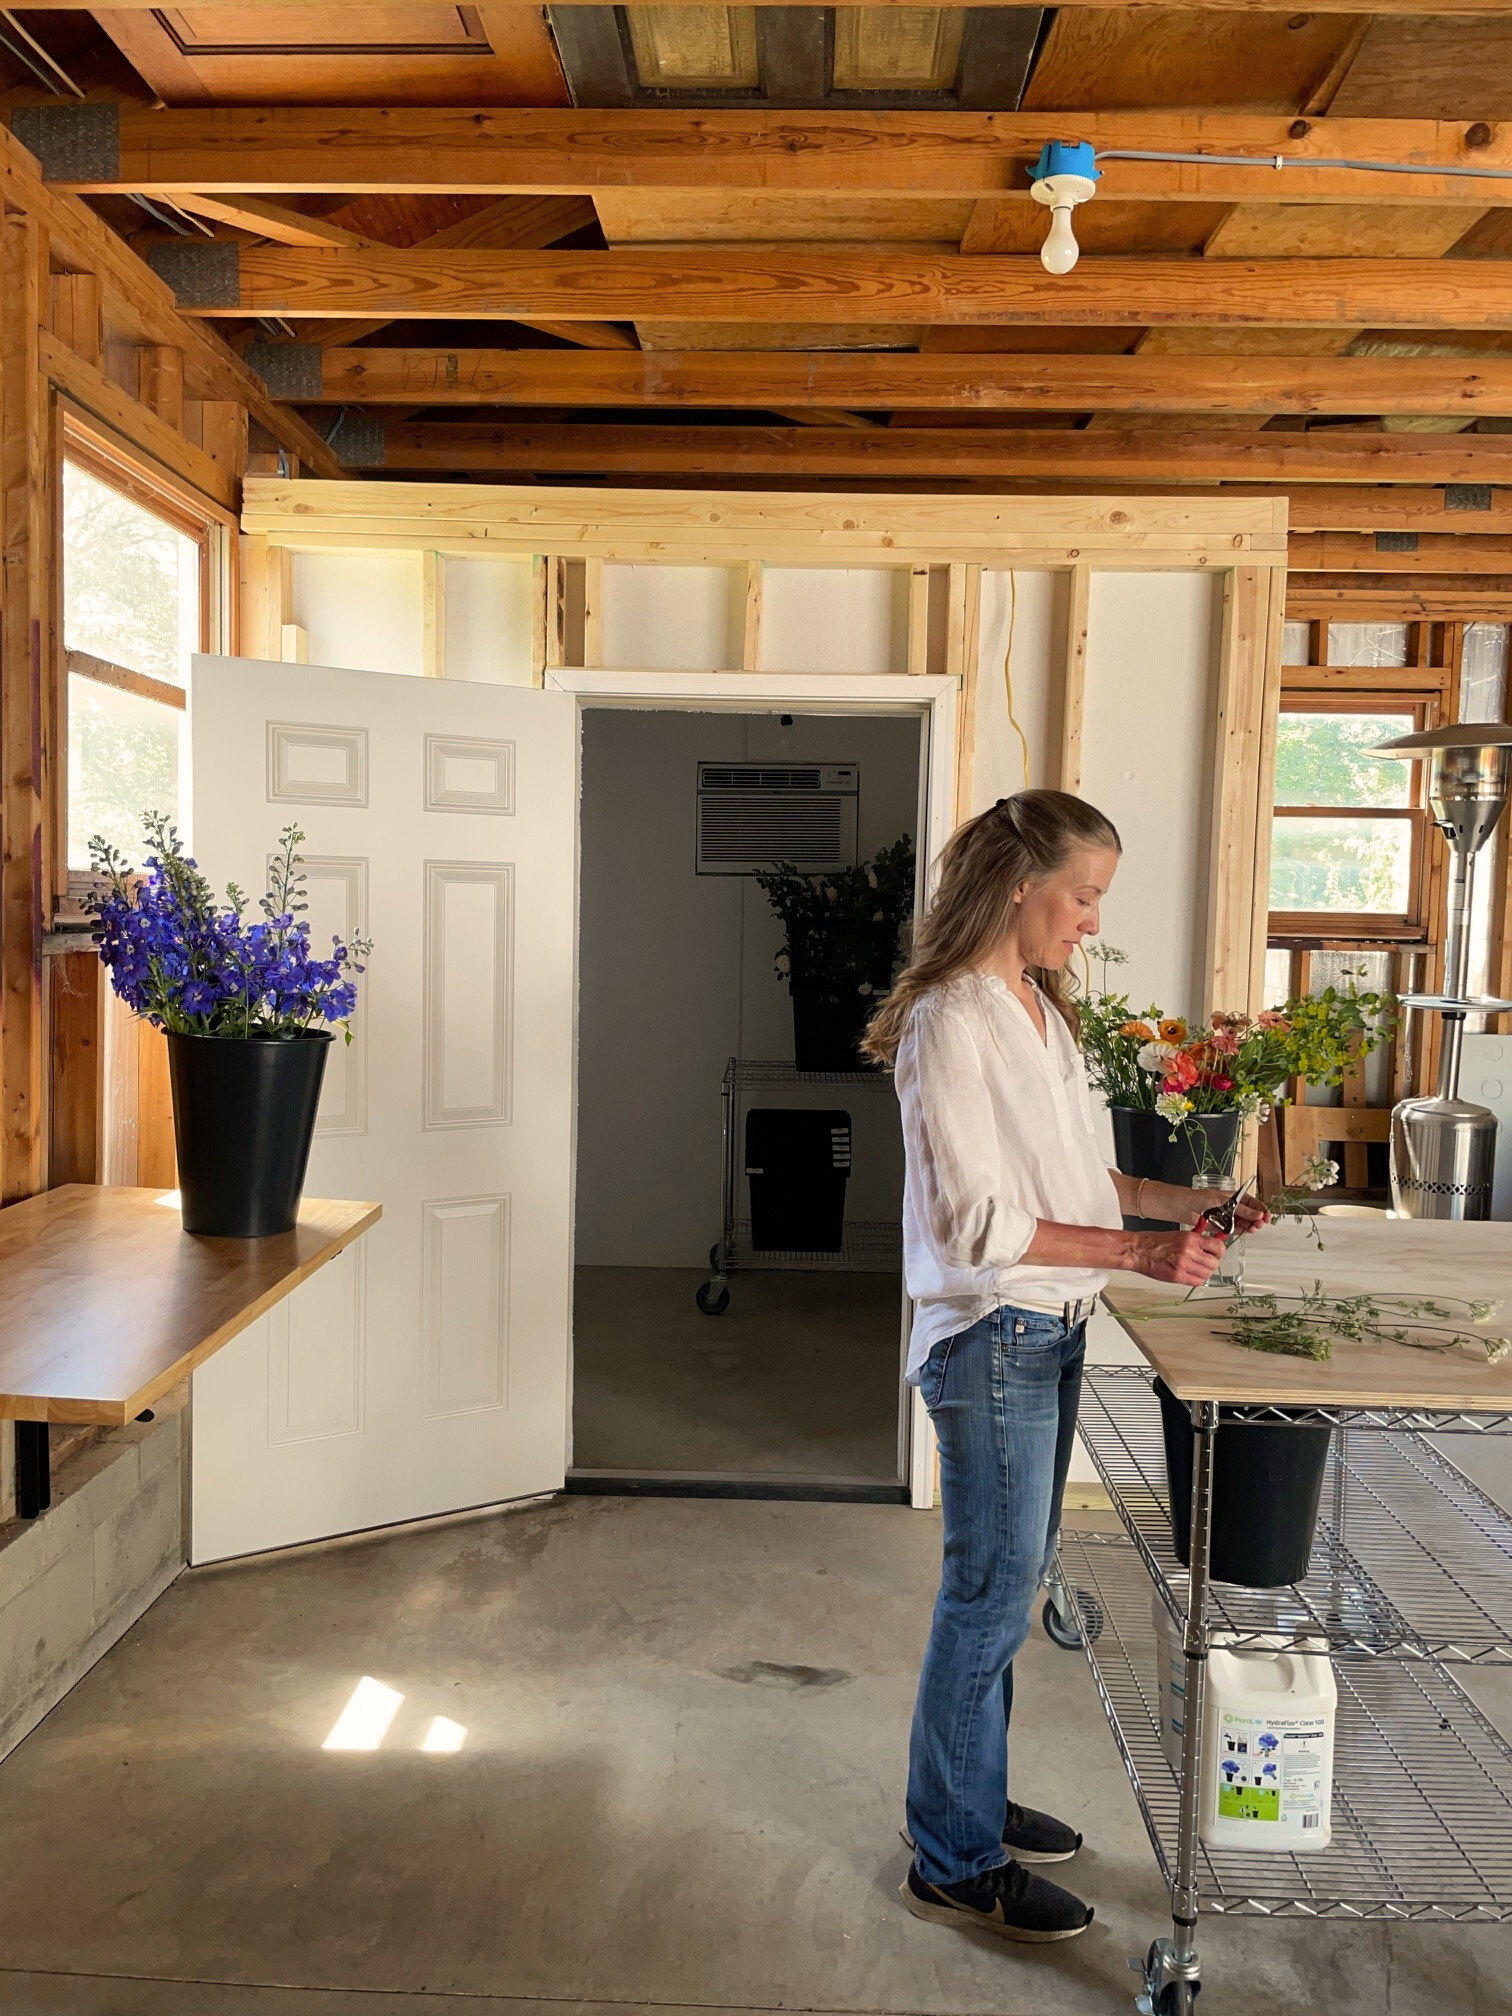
{"type": "Point", "coordinates": [135, 598]}
{"type": "Point", "coordinates": [1348, 831]}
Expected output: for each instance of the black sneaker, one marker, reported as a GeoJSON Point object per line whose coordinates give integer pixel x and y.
{"type": "Point", "coordinates": [1007, 1900]}
{"type": "Point", "coordinates": [1036, 1837]}
{"type": "Point", "coordinates": [1031, 1837]}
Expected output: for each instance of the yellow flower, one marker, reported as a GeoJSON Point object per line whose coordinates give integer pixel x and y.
{"type": "Point", "coordinates": [1173, 1029]}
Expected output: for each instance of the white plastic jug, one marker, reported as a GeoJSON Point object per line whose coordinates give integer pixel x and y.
{"type": "Point", "coordinates": [1267, 1750]}
{"type": "Point", "coordinates": [1170, 1662]}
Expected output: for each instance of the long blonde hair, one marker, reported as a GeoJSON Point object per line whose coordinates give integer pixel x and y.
{"type": "Point", "coordinates": [1022, 839]}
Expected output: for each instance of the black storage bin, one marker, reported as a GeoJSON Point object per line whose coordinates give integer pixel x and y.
{"type": "Point", "coordinates": [797, 1163]}
{"type": "Point", "coordinates": [1267, 1482]}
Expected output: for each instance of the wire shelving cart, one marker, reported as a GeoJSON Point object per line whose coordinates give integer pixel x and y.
{"type": "Point", "coordinates": [1409, 1583]}
{"type": "Point", "coordinates": [868, 1247]}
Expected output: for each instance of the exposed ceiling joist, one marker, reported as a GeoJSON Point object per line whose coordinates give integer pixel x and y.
{"type": "Point", "coordinates": [99, 149]}
{"type": "Point", "coordinates": [775, 380]}
{"type": "Point", "coordinates": [1336, 455]}
{"type": "Point", "coordinates": [835, 288]}
{"type": "Point", "coordinates": [270, 10]}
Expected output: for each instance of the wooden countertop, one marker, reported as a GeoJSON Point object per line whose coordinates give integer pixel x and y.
{"type": "Point", "coordinates": [1395, 1256]}
{"type": "Point", "coordinates": [106, 1303]}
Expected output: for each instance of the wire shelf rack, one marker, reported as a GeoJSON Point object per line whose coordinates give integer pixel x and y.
{"type": "Point", "coordinates": [1397, 1516]}
{"type": "Point", "coordinates": [868, 1248]}
{"type": "Point", "coordinates": [754, 1073]}
{"type": "Point", "coordinates": [1422, 1793]}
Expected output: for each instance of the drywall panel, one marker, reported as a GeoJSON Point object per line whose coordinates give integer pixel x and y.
{"type": "Point", "coordinates": [674, 619]}
{"type": "Point", "coordinates": [676, 975]}
{"type": "Point", "coordinates": [1151, 705]}
{"type": "Point", "coordinates": [1028, 611]}
{"type": "Point", "coordinates": [488, 612]}
{"type": "Point", "coordinates": [362, 610]}
{"type": "Point", "coordinates": [834, 619]}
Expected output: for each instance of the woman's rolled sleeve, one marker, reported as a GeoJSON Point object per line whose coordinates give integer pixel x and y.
{"type": "Point", "coordinates": [940, 1088]}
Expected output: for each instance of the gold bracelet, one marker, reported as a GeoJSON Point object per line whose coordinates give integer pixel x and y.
{"type": "Point", "coordinates": [1139, 1211]}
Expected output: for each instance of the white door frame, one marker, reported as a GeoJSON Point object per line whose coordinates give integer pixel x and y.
{"type": "Point", "coordinates": [929, 696]}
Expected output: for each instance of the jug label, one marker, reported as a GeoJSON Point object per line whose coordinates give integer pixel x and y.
{"type": "Point", "coordinates": [1270, 1774]}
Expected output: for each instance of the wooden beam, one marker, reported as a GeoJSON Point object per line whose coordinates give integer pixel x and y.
{"type": "Point", "coordinates": [144, 305]}
{"type": "Point", "coordinates": [25, 635]}
{"type": "Point", "coordinates": [288, 150]}
{"type": "Point", "coordinates": [1400, 509]}
{"type": "Point", "coordinates": [755, 596]}
{"type": "Point", "coordinates": [1331, 455]}
{"type": "Point", "coordinates": [806, 285]}
{"type": "Point", "coordinates": [85, 665]}
{"type": "Point", "coordinates": [1433, 9]}
{"type": "Point", "coordinates": [270, 220]}
{"type": "Point", "coordinates": [1391, 598]}
{"type": "Point", "coordinates": [156, 437]}
{"type": "Point", "coordinates": [1426, 553]}
{"type": "Point", "coordinates": [1074, 678]}
{"type": "Point", "coordinates": [433, 615]}
{"type": "Point", "coordinates": [924, 381]}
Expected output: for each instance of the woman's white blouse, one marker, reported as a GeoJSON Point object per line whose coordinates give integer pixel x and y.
{"type": "Point", "coordinates": [998, 1133]}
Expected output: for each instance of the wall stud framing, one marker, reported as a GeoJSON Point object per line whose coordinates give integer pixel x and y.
{"type": "Point", "coordinates": [1074, 677]}
{"type": "Point", "coordinates": [433, 615]}
{"type": "Point", "coordinates": [750, 647]}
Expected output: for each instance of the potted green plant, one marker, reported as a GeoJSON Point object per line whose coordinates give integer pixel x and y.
{"type": "Point", "coordinates": [246, 1008]}
{"type": "Point", "coordinates": [841, 937]}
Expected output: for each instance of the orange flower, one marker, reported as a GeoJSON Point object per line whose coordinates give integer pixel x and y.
{"type": "Point", "coordinates": [1142, 1030]}
{"type": "Point", "coordinates": [1173, 1030]}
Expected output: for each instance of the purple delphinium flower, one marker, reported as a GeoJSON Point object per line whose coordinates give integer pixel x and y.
{"type": "Point", "coordinates": [186, 964]}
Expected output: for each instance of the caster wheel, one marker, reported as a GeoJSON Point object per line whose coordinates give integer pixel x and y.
{"type": "Point", "coordinates": [1060, 1631]}
{"type": "Point", "coordinates": [711, 1300]}
{"type": "Point", "coordinates": [1179, 1999]}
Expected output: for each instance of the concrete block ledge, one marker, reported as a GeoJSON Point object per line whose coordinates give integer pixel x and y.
{"type": "Point", "coordinates": [74, 1581]}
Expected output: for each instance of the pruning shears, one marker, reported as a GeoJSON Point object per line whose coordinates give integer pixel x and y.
{"type": "Point", "coordinates": [1221, 1218]}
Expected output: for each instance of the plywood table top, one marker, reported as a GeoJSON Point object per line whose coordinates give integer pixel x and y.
{"type": "Point", "coordinates": [1391, 1256]}
{"type": "Point", "coordinates": [106, 1303]}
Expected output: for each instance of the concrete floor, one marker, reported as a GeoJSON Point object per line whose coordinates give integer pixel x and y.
{"type": "Point", "coordinates": [680, 1789]}
{"type": "Point", "coordinates": [798, 1378]}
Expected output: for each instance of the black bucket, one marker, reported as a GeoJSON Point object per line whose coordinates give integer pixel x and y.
{"type": "Point", "coordinates": [1267, 1482]}
{"type": "Point", "coordinates": [243, 1117]}
{"type": "Point", "coordinates": [1142, 1146]}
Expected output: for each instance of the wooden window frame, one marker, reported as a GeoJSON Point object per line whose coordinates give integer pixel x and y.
{"type": "Point", "coordinates": [92, 448]}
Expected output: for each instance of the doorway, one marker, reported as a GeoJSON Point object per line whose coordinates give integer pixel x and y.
{"type": "Point", "coordinates": [712, 1354]}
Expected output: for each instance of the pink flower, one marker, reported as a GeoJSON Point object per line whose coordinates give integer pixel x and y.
{"type": "Point", "coordinates": [1272, 1018]}
{"type": "Point", "coordinates": [1221, 1084]}
{"type": "Point", "coordinates": [1223, 1042]}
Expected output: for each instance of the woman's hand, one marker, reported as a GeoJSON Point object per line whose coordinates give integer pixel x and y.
{"type": "Point", "coordinates": [1187, 1258]}
{"type": "Point", "coordinates": [1249, 1213]}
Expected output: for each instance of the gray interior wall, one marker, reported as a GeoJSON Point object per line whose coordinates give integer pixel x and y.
{"type": "Point", "coordinates": [676, 976]}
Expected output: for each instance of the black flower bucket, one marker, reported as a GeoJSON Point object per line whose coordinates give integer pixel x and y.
{"type": "Point", "coordinates": [243, 1118]}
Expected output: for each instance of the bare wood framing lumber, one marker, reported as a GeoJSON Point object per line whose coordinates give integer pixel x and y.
{"type": "Point", "coordinates": [1429, 553]}
{"type": "Point", "coordinates": [1334, 455]}
{"type": "Point", "coordinates": [1074, 678]}
{"type": "Point", "coordinates": [918, 621]}
{"type": "Point", "coordinates": [755, 597]}
{"type": "Point", "coordinates": [85, 665]}
{"type": "Point", "coordinates": [593, 612]}
{"type": "Point", "coordinates": [626, 285]}
{"type": "Point", "coordinates": [25, 636]}
{"type": "Point", "coordinates": [1231, 865]}
{"type": "Point", "coordinates": [155, 437]}
{"type": "Point", "coordinates": [933, 381]}
{"type": "Point", "coordinates": [962, 661]}
{"type": "Point", "coordinates": [433, 615]}
{"type": "Point", "coordinates": [269, 220]}
{"type": "Point", "coordinates": [145, 305]}
{"type": "Point", "coordinates": [1403, 509]}
{"type": "Point", "coordinates": [503, 151]}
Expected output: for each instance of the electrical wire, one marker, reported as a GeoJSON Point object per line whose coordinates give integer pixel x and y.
{"type": "Point", "coordinates": [31, 42]}
{"type": "Point", "coordinates": [1008, 673]}
{"type": "Point", "coordinates": [1301, 161]}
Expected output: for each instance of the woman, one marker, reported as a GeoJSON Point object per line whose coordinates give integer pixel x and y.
{"type": "Point", "coordinates": [1011, 1223]}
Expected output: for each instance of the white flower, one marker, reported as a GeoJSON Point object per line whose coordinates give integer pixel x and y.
{"type": "Point", "coordinates": [871, 881]}
{"type": "Point", "coordinates": [1482, 1312]}
{"type": "Point", "coordinates": [829, 890]}
{"type": "Point", "coordinates": [784, 963]}
{"type": "Point", "coordinates": [1156, 1058]}
{"type": "Point", "coordinates": [865, 987]}
{"type": "Point", "coordinates": [876, 916]}
{"type": "Point", "coordinates": [1173, 1106]}
{"type": "Point", "coordinates": [1497, 1349]}
{"type": "Point", "coordinates": [1319, 1172]}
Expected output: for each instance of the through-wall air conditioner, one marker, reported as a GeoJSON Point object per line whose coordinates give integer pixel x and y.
{"type": "Point", "coordinates": [751, 815]}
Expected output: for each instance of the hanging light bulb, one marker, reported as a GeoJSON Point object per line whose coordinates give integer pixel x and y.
{"type": "Point", "coordinates": [1065, 174]}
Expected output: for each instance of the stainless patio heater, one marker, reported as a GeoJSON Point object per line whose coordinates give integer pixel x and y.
{"type": "Point", "coordinates": [1442, 1147]}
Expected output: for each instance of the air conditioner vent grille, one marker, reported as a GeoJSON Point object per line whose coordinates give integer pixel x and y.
{"type": "Point", "coordinates": [753, 815]}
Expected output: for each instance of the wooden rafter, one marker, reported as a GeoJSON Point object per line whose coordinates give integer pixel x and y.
{"type": "Point", "coordinates": [283, 150]}
{"type": "Point", "coordinates": [1339, 455]}
{"type": "Point", "coordinates": [1050, 383]}
{"type": "Point", "coordinates": [829, 288]}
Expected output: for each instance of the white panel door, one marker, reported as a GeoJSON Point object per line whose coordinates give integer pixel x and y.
{"type": "Point", "coordinates": [426, 1369]}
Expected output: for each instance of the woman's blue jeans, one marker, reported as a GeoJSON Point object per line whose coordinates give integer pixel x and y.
{"type": "Point", "coordinates": [1003, 1397]}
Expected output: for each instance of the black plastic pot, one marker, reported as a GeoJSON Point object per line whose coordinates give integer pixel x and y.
{"type": "Point", "coordinates": [1142, 1146]}
{"type": "Point", "coordinates": [1267, 1482]}
{"type": "Point", "coordinates": [827, 1027]}
{"type": "Point", "coordinates": [243, 1117]}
